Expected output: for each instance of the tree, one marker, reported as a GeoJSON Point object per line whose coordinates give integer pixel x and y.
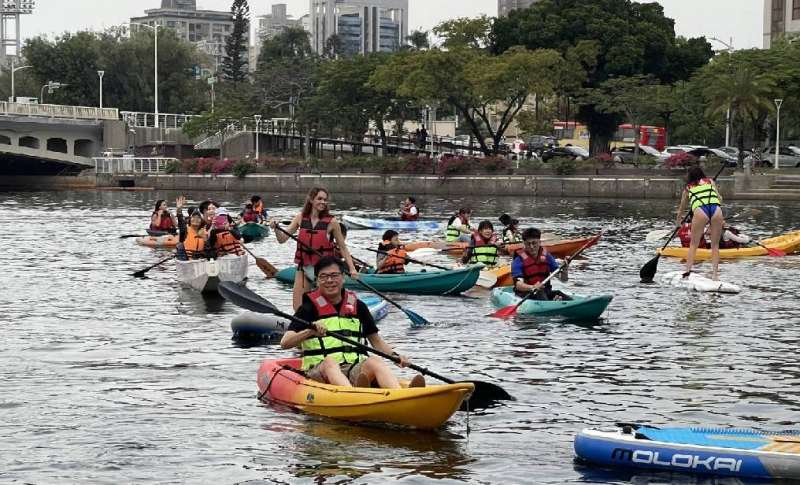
{"type": "Point", "coordinates": [629, 39]}
{"type": "Point", "coordinates": [465, 32]}
{"type": "Point", "coordinates": [418, 40]}
{"type": "Point", "coordinates": [292, 43]}
{"type": "Point", "coordinates": [487, 91]}
{"type": "Point", "coordinates": [234, 66]}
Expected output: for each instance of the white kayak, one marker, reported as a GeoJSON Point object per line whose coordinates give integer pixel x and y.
{"type": "Point", "coordinates": [204, 275]}
{"type": "Point", "coordinates": [697, 282]}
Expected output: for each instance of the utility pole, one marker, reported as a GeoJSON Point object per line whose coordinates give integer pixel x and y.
{"type": "Point", "coordinates": [778, 103]}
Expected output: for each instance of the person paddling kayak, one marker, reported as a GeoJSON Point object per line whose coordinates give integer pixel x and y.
{"type": "Point", "coordinates": [327, 359]}
{"type": "Point", "coordinates": [510, 232]}
{"type": "Point", "coordinates": [316, 226]}
{"type": "Point", "coordinates": [458, 228]}
{"type": "Point", "coordinates": [483, 246]}
{"type": "Point", "coordinates": [393, 258]}
{"type": "Point", "coordinates": [532, 265]}
{"type": "Point", "coordinates": [409, 210]}
{"type": "Point", "coordinates": [162, 219]}
{"type": "Point", "coordinates": [702, 196]}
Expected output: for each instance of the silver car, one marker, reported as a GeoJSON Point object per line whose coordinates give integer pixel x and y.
{"type": "Point", "coordinates": [789, 157]}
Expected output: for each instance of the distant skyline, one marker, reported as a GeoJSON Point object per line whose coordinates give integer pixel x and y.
{"type": "Point", "coordinates": [712, 18]}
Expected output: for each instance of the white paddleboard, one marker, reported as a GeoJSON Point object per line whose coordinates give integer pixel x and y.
{"type": "Point", "coordinates": [698, 282]}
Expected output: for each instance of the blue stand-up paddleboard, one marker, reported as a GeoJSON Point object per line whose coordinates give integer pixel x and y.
{"type": "Point", "coordinates": [353, 222]}
{"type": "Point", "coordinates": [738, 453]}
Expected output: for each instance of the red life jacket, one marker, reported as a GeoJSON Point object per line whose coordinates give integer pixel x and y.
{"type": "Point", "coordinates": [251, 217]}
{"type": "Point", "coordinates": [313, 238]}
{"type": "Point", "coordinates": [225, 243]}
{"type": "Point", "coordinates": [165, 224]}
{"type": "Point", "coordinates": [685, 234]}
{"type": "Point", "coordinates": [406, 214]}
{"type": "Point", "coordinates": [325, 309]}
{"type": "Point", "coordinates": [534, 270]}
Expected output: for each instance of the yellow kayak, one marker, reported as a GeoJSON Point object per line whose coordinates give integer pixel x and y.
{"type": "Point", "coordinates": [787, 243]}
{"type": "Point", "coordinates": [503, 274]}
{"type": "Point", "coordinates": [419, 407]}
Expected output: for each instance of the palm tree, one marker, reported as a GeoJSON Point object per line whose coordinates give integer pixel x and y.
{"type": "Point", "coordinates": [419, 40]}
{"type": "Point", "coordinates": [747, 94]}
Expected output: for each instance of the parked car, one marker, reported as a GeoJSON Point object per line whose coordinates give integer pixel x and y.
{"type": "Point", "coordinates": [570, 151]}
{"type": "Point", "coordinates": [626, 154]}
{"type": "Point", "coordinates": [789, 158]}
{"type": "Point", "coordinates": [669, 151]}
{"type": "Point", "coordinates": [702, 154]}
{"type": "Point", "coordinates": [540, 143]}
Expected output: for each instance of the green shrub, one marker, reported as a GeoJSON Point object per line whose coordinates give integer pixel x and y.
{"type": "Point", "coordinates": [531, 164]}
{"type": "Point", "coordinates": [173, 166]}
{"type": "Point", "coordinates": [242, 168]}
{"type": "Point", "coordinates": [564, 165]}
{"type": "Point", "coordinates": [645, 161]}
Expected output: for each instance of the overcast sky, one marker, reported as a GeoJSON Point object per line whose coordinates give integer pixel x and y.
{"type": "Point", "coordinates": [740, 19]}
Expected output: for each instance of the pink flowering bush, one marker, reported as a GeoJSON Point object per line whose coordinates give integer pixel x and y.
{"type": "Point", "coordinates": [680, 160]}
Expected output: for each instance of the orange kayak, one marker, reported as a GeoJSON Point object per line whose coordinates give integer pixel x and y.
{"type": "Point", "coordinates": [559, 249]}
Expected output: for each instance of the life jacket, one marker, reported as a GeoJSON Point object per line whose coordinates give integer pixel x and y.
{"type": "Point", "coordinates": [258, 208]}
{"type": "Point", "coordinates": [452, 234]}
{"type": "Point", "coordinates": [194, 244]}
{"type": "Point", "coordinates": [313, 238]}
{"type": "Point", "coordinates": [165, 224]}
{"type": "Point", "coordinates": [534, 269]}
{"type": "Point", "coordinates": [395, 261]}
{"type": "Point", "coordinates": [225, 243]}
{"type": "Point", "coordinates": [511, 237]}
{"type": "Point", "coordinates": [344, 322]}
{"type": "Point", "coordinates": [483, 251]}
{"type": "Point", "coordinates": [251, 217]}
{"type": "Point", "coordinates": [702, 193]}
{"type": "Point", "coordinates": [685, 235]}
{"type": "Point", "coordinates": [406, 214]}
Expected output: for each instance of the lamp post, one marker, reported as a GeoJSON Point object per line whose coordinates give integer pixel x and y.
{"type": "Point", "coordinates": [155, 62]}
{"type": "Point", "coordinates": [13, 85]}
{"type": "Point", "coordinates": [728, 114]}
{"type": "Point", "coordinates": [258, 131]}
{"type": "Point", "coordinates": [101, 74]}
{"type": "Point", "coordinates": [778, 103]}
{"type": "Point", "coordinates": [50, 86]}
{"type": "Point", "coordinates": [211, 82]}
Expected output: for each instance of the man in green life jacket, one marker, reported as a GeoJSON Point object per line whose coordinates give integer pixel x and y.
{"type": "Point", "coordinates": [328, 359]}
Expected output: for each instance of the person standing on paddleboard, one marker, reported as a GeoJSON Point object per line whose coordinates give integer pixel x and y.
{"type": "Point", "coordinates": [316, 226]}
{"type": "Point", "coordinates": [327, 359]}
{"type": "Point", "coordinates": [702, 196]}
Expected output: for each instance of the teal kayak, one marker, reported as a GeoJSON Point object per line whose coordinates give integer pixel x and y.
{"type": "Point", "coordinates": [450, 282]}
{"type": "Point", "coordinates": [579, 308]}
{"type": "Point", "coordinates": [253, 231]}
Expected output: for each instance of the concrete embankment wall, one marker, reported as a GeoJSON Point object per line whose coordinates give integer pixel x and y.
{"type": "Point", "coordinates": [45, 182]}
{"type": "Point", "coordinates": [513, 185]}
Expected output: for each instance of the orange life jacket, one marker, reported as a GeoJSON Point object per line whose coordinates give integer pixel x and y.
{"type": "Point", "coordinates": [534, 269]}
{"type": "Point", "coordinates": [313, 238]}
{"type": "Point", "coordinates": [225, 243]}
{"type": "Point", "coordinates": [258, 208]}
{"type": "Point", "coordinates": [395, 258]}
{"type": "Point", "coordinates": [194, 244]}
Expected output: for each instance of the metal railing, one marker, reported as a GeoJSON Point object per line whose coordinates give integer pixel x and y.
{"type": "Point", "coordinates": [115, 165]}
{"type": "Point", "coordinates": [58, 111]}
{"type": "Point", "coordinates": [138, 119]}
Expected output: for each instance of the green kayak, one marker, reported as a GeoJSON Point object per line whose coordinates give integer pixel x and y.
{"type": "Point", "coordinates": [450, 282]}
{"type": "Point", "coordinates": [579, 308]}
{"type": "Point", "coordinates": [253, 231]}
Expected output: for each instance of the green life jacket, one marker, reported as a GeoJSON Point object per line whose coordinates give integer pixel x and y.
{"type": "Point", "coordinates": [702, 193]}
{"type": "Point", "coordinates": [483, 251]}
{"type": "Point", "coordinates": [344, 322]}
{"type": "Point", "coordinates": [451, 234]}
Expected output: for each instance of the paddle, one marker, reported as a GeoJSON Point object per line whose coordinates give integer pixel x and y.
{"type": "Point", "coordinates": [410, 260]}
{"type": "Point", "coordinates": [511, 310]}
{"type": "Point", "coordinates": [649, 269]}
{"type": "Point", "coordinates": [485, 393]}
{"type": "Point", "coordinates": [141, 273]}
{"type": "Point", "coordinates": [128, 236]}
{"type": "Point", "coordinates": [771, 251]}
{"type": "Point", "coordinates": [268, 269]}
{"type": "Point", "coordinates": [416, 319]}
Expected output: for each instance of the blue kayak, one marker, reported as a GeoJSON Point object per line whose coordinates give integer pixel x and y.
{"type": "Point", "coordinates": [741, 453]}
{"type": "Point", "coordinates": [353, 222]}
{"type": "Point", "coordinates": [250, 325]}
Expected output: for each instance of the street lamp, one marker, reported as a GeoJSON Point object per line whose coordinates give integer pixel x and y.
{"type": "Point", "coordinates": [211, 82]}
{"type": "Point", "coordinates": [258, 131]}
{"type": "Point", "coordinates": [728, 114]}
{"type": "Point", "coordinates": [778, 103]}
{"type": "Point", "coordinates": [13, 86]}
{"type": "Point", "coordinates": [101, 74]}
{"type": "Point", "coordinates": [155, 64]}
{"type": "Point", "coordinates": [50, 86]}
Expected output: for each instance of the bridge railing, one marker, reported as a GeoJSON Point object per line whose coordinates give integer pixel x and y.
{"type": "Point", "coordinates": [139, 119]}
{"type": "Point", "coordinates": [58, 111]}
{"type": "Point", "coordinates": [114, 165]}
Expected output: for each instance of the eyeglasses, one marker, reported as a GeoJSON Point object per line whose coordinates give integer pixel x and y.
{"type": "Point", "coordinates": [329, 276]}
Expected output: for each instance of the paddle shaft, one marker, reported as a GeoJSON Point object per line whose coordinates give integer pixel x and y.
{"type": "Point", "coordinates": [410, 260]}
{"type": "Point", "coordinates": [143, 271]}
{"type": "Point", "coordinates": [362, 283]}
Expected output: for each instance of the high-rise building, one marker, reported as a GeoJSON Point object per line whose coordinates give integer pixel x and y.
{"type": "Point", "coordinates": [269, 26]}
{"type": "Point", "coordinates": [362, 26]}
{"type": "Point", "coordinates": [208, 29]}
{"type": "Point", "coordinates": [781, 19]}
{"type": "Point", "coordinates": [506, 6]}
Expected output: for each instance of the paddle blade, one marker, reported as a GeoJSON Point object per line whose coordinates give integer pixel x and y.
{"type": "Point", "coordinates": [417, 320]}
{"type": "Point", "coordinates": [775, 252]}
{"type": "Point", "coordinates": [505, 312]}
{"type": "Point", "coordinates": [648, 271]}
{"type": "Point", "coordinates": [423, 253]}
{"type": "Point", "coordinates": [139, 274]}
{"type": "Point", "coordinates": [245, 298]}
{"type": "Point", "coordinates": [487, 279]}
{"type": "Point", "coordinates": [485, 395]}
{"type": "Point", "coordinates": [653, 236]}
{"type": "Point", "coordinates": [268, 269]}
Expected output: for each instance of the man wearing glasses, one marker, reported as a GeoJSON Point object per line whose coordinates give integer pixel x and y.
{"type": "Point", "coordinates": [532, 265]}
{"type": "Point", "coordinates": [327, 359]}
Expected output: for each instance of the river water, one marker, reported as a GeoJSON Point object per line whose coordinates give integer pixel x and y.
{"type": "Point", "coordinates": [105, 378]}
